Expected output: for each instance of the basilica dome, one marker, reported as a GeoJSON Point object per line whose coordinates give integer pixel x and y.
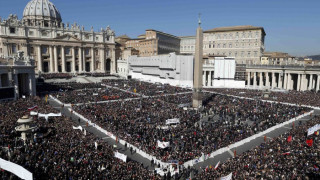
{"type": "Point", "coordinates": [41, 13]}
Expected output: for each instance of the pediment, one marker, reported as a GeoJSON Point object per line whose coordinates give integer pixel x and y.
{"type": "Point", "coordinates": [67, 37]}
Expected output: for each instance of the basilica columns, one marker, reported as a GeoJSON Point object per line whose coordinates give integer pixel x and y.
{"type": "Point", "coordinates": [273, 85]}
{"type": "Point", "coordinates": [318, 81]}
{"type": "Point", "coordinates": [80, 60]}
{"type": "Point", "coordinates": [55, 52]}
{"type": "Point", "coordinates": [102, 60]}
{"type": "Point", "coordinates": [39, 57]}
{"type": "Point", "coordinates": [209, 79]}
{"type": "Point", "coordinates": [63, 60]}
{"type": "Point", "coordinates": [92, 59]}
{"type": "Point", "coordinates": [73, 68]}
{"type": "Point", "coordinates": [51, 59]}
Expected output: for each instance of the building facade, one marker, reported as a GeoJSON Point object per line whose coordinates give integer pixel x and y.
{"type": "Point", "coordinates": [173, 69]}
{"type": "Point", "coordinates": [244, 43]}
{"type": "Point", "coordinates": [155, 42]}
{"type": "Point", "coordinates": [57, 47]}
{"type": "Point", "coordinates": [17, 77]}
{"type": "Point", "coordinates": [276, 58]}
{"type": "Point", "coordinates": [187, 44]}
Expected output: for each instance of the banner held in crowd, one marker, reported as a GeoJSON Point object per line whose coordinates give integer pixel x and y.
{"type": "Point", "coordinates": [15, 169]}
{"type": "Point", "coordinates": [120, 156]}
{"type": "Point", "coordinates": [163, 144]}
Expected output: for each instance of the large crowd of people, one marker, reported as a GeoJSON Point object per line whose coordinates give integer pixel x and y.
{"type": "Point", "coordinates": [57, 151]}
{"type": "Point", "coordinates": [310, 98]}
{"type": "Point", "coordinates": [92, 95]}
{"type": "Point", "coordinates": [289, 156]}
{"type": "Point", "coordinates": [144, 88]}
{"type": "Point", "coordinates": [57, 76]}
{"type": "Point", "coordinates": [234, 119]}
{"type": "Point", "coordinates": [139, 115]}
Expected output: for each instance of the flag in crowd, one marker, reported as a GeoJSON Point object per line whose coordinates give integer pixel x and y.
{"type": "Point", "coordinates": [32, 108]}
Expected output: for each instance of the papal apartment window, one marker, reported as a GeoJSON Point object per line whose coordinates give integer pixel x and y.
{"type": "Point", "coordinates": [255, 54]}
{"type": "Point", "coordinates": [230, 54]}
{"type": "Point", "coordinates": [249, 54]}
{"type": "Point", "coordinates": [12, 30]}
{"type": "Point", "coordinates": [230, 45]}
{"type": "Point", "coordinates": [235, 54]}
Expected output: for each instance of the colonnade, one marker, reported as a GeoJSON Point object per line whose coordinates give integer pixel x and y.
{"type": "Point", "coordinates": [207, 77]}
{"type": "Point", "coordinates": [289, 80]}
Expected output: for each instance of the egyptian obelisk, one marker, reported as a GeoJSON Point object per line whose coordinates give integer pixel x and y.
{"type": "Point", "coordinates": [197, 71]}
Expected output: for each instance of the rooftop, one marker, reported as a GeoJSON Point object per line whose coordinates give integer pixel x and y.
{"type": "Point", "coordinates": [235, 28]}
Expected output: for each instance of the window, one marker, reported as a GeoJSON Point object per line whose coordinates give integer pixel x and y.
{"type": "Point", "coordinates": [237, 34]}
{"type": "Point", "coordinates": [87, 51]}
{"type": "Point", "coordinates": [58, 34]}
{"type": "Point", "coordinates": [87, 37]}
{"type": "Point", "coordinates": [12, 30]}
{"type": "Point", "coordinates": [97, 38]}
{"type": "Point", "coordinates": [249, 54]}
{"type": "Point", "coordinates": [235, 54]}
{"type": "Point", "coordinates": [230, 36]}
{"type": "Point", "coordinates": [230, 45]}
{"type": "Point", "coordinates": [230, 54]}
{"type": "Point", "coordinates": [218, 45]}
{"type": "Point", "coordinates": [67, 51]}
{"type": "Point", "coordinates": [242, 53]}
{"type": "Point", "coordinates": [224, 45]}
{"type": "Point", "coordinates": [257, 34]}
{"type": "Point", "coordinates": [44, 50]}
{"type": "Point", "coordinates": [31, 33]}
{"type": "Point", "coordinates": [225, 36]}
{"type": "Point", "coordinates": [243, 35]}
{"type": "Point", "coordinates": [14, 48]}
{"type": "Point", "coordinates": [255, 54]}
{"type": "Point", "coordinates": [44, 33]}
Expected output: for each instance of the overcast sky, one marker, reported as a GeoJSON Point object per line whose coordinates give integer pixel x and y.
{"type": "Point", "coordinates": [292, 26]}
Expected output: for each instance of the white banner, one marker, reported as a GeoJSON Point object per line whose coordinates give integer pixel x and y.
{"type": "Point", "coordinates": [15, 169]}
{"type": "Point", "coordinates": [163, 144]}
{"type": "Point", "coordinates": [313, 129]}
{"type": "Point", "coordinates": [172, 121]}
{"type": "Point", "coordinates": [32, 113]}
{"type": "Point", "coordinates": [120, 156]}
{"type": "Point", "coordinates": [229, 177]}
{"type": "Point", "coordinates": [79, 127]}
{"type": "Point", "coordinates": [46, 116]}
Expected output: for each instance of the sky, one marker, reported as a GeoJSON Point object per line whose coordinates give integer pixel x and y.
{"type": "Point", "coordinates": [292, 26]}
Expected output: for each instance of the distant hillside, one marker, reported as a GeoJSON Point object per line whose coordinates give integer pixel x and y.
{"type": "Point", "coordinates": [314, 57]}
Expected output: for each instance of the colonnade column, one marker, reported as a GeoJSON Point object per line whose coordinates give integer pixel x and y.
{"type": "Point", "coordinates": [73, 69]}
{"type": "Point", "coordinates": [204, 78]}
{"type": "Point", "coordinates": [280, 81]}
{"type": "Point", "coordinates": [260, 80]}
{"type": "Point", "coordinates": [39, 58]}
{"type": "Point", "coordinates": [267, 79]}
{"type": "Point", "coordinates": [317, 86]}
{"type": "Point", "coordinates": [249, 78]}
{"type": "Point", "coordinates": [51, 59]}
{"type": "Point", "coordinates": [299, 82]}
{"type": "Point", "coordinates": [273, 80]}
{"type": "Point", "coordinates": [310, 82]}
{"type": "Point", "coordinates": [92, 60]}
{"type": "Point", "coordinates": [285, 86]}
{"type": "Point", "coordinates": [254, 79]}
{"type": "Point", "coordinates": [63, 62]}
{"type": "Point", "coordinates": [113, 61]}
{"type": "Point", "coordinates": [303, 82]}
{"type": "Point", "coordinates": [55, 52]}
{"type": "Point", "coordinates": [209, 81]}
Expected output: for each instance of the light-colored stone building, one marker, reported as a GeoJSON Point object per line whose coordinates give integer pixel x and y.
{"type": "Point", "coordinates": [187, 44]}
{"type": "Point", "coordinates": [55, 46]}
{"type": "Point", "coordinates": [173, 69]}
{"type": "Point", "coordinates": [155, 42]}
{"type": "Point", "coordinates": [272, 58]}
{"type": "Point", "coordinates": [17, 77]}
{"type": "Point", "coordinates": [244, 43]}
{"type": "Point", "coordinates": [122, 62]}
